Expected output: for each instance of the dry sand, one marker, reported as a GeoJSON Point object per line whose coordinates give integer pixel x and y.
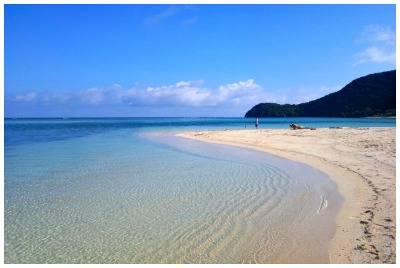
{"type": "Point", "coordinates": [362, 162]}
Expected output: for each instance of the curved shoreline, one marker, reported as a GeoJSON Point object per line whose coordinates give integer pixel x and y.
{"type": "Point", "coordinates": [361, 161]}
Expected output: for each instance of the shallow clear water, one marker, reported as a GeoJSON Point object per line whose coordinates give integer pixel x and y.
{"type": "Point", "coordinates": [129, 191]}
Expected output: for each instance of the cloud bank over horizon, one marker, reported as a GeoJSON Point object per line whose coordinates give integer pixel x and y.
{"type": "Point", "coordinates": [240, 95]}
{"type": "Point", "coordinates": [180, 94]}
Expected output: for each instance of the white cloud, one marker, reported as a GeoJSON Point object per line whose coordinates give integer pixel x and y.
{"type": "Point", "coordinates": [183, 94]}
{"type": "Point", "coordinates": [239, 93]}
{"type": "Point", "coordinates": [191, 93]}
{"type": "Point", "coordinates": [180, 99]}
{"type": "Point", "coordinates": [378, 34]}
{"type": "Point", "coordinates": [381, 46]}
{"type": "Point", "coordinates": [375, 54]}
{"type": "Point", "coordinates": [92, 96]}
{"type": "Point", "coordinates": [180, 94]}
{"type": "Point", "coordinates": [183, 13]}
{"type": "Point", "coordinates": [26, 97]}
{"type": "Point", "coordinates": [165, 14]}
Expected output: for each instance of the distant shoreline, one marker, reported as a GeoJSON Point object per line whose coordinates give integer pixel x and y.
{"type": "Point", "coordinates": [199, 117]}
{"type": "Point", "coordinates": [380, 117]}
{"type": "Point", "coordinates": [362, 161]}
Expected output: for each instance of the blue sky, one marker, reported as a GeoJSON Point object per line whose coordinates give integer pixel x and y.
{"type": "Point", "coordinates": [186, 60]}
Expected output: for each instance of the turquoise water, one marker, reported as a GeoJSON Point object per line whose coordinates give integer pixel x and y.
{"type": "Point", "coordinates": [128, 191]}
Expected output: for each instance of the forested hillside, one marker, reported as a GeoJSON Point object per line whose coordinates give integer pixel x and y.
{"type": "Point", "coordinates": [371, 95]}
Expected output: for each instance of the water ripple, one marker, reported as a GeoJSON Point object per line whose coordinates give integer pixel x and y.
{"type": "Point", "coordinates": [114, 199]}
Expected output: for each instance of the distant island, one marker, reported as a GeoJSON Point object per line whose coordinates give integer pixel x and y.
{"type": "Point", "coordinates": [373, 95]}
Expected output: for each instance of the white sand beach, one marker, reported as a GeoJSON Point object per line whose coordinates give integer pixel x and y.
{"type": "Point", "coordinates": [362, 162]}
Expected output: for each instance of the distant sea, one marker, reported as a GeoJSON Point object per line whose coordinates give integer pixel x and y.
{"type": "Point", "coordinates": [126, 190]}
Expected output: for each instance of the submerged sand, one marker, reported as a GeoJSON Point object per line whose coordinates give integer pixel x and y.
{"type": "Point", "coordinates": [362, 162]}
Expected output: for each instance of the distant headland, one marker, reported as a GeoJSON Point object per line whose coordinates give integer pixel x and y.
{"type": "Point", "coordinates": [373, 95]}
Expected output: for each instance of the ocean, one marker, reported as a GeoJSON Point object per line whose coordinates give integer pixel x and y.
{"type": "Point", "coordinates": [127, 190]}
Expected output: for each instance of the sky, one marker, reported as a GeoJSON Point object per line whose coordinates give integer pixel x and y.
{"type": "Point", "coordinates": [186, 60]}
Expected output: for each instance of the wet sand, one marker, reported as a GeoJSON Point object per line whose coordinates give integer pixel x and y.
{"type": "Point", "coordinates": [362, 162]}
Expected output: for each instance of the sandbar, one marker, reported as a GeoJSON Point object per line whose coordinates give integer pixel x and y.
{"type": "Point", "coordinates": [361, 161]}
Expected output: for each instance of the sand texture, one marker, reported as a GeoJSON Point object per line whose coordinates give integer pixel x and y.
{"type": "Point", "coordinates": [362, 162]}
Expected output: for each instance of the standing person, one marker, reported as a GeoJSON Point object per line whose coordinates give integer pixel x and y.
{"type": "Point", "coordinates": [256, 122]}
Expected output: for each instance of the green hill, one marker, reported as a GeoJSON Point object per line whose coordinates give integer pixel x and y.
{"type": "Point", "coordinates": [371, 95]}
